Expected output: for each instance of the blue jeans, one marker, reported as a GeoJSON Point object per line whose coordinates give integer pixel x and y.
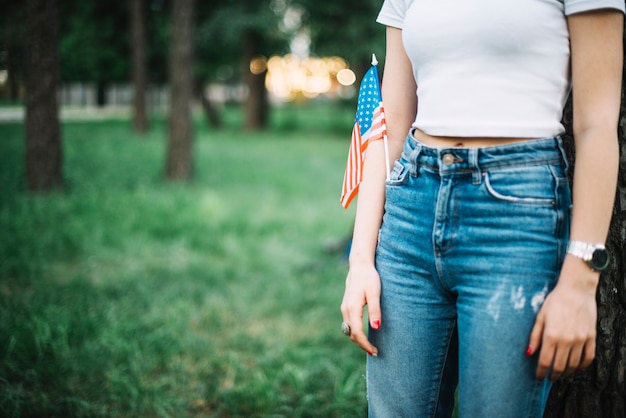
{"type": "Point", "coordinates": [471, 243]}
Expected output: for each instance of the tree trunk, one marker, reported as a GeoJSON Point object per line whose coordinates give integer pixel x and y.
{"type": "Point", "coordinates": [43, 131]}
{"type": "Point", "coordinates": [213, 117]}
{"type": "Point", "coordinates": [212, 114]}
{"type": "Point", "coordinates": [256, 106]}
{"type": "Point", "coordinates": [101, 93]}
{"type": "Point", "coordinates": [140, 74]}
{"type": "Point", "coordinates": [600, 391]}
{"type": "Point", "coordinates": [179, 155]}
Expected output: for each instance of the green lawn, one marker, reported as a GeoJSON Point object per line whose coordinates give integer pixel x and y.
{"type": "Point", "coordinates": [127, 296]}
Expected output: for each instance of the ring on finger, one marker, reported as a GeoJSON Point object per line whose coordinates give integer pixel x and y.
{"type": "Point", "coordinates": [345, 328]}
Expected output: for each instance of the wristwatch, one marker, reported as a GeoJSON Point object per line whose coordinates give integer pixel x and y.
{"type": "Point", "coordinates": [595, 255]}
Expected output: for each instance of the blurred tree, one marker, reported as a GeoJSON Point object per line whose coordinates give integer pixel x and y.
{"type": "Point", "coordinates": [347, 29]}
{"type": "Point", "coordinates": [43, 132]}
{"type": "Point", "coordinates": [179, 152]}
{"type": "Point", "coordinates": [95, 43]}
{"type": "Point", "coordinates": [242, 30]}
{"type": "Point", "coordinates": [139, 73]}
{"type": "Point", "coordinates": [96, 40]}
{"type": "Point", "coordinates": [158, 24]}
{"type": "Point", "coordinates": [11, 51]}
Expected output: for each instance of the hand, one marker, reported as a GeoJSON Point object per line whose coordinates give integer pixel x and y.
{"type": "Point", "coordinates": [362, 288]}
{"type": "Point", "coordinates": [565, 328]}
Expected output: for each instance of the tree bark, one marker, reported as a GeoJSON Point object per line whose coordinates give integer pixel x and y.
{"type": "Point", "coordinates": [139, 71]}
{"type": "Point", "coordinates": [43, 132]}
{"type": "Point", "coordinates": [179, 152]}
{"type": "Point", "coordinates": [600, 391]}
{"type": "Point", "coordinates": [256, 106]}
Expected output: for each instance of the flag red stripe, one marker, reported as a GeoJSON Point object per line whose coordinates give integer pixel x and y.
{"type": "Point", "coordinates": [354, 167]}
{"type": "Point", "coordinates": [374, 118]}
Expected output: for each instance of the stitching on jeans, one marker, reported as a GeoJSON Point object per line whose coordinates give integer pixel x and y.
{"type": "Point", "coordinates": [413, 159]}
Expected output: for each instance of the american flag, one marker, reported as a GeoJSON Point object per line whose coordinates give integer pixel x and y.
{"type": "Point", "coordinates": [369, 125]}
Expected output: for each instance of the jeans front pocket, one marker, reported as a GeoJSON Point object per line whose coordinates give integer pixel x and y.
{"type": "Point", "coordinates": [398, 175]}
{"type": "Point", "coordinates": [526, 185]}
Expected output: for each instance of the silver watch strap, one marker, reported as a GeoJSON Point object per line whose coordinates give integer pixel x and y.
{"type": "Point", "coordinates": [583, 250]}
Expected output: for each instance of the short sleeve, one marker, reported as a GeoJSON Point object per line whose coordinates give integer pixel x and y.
{"type": "Point", "coordinates": [392, 13]}
{"type": "Point", "coordinates": [578, 6]}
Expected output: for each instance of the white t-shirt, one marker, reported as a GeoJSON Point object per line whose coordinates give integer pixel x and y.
{"type": "Point", "coordinates": [490, 68]}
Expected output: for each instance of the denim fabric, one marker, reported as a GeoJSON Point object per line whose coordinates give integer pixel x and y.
{"type": "Point", "coordinates": [472, 241]}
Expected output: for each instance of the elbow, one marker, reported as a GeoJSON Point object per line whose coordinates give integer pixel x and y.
{"type": "Point", "coordinates": [600, 134]}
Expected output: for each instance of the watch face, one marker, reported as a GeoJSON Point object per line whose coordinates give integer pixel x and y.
{"type": "Point", "coordinates": [600, 260]}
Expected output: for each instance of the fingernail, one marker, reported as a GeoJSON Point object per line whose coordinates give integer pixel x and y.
{"type": "Point", "coordinates": [376, 324]}
{"type": "Point", "coordinates": [529, 351]}
{"type": "Point", "coordinates": [372, 354]}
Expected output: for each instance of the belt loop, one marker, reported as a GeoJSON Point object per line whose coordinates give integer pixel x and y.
{"type": "Point", "coordinates": [473, 162]}
{"type": "Point", "coordinates": [559, 143]}
{"type": "Point", "coordinates": [413, 158]}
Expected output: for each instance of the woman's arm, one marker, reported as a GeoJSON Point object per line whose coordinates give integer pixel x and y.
{"type": "Point", "coordinates": [363, 282]}
{"type": "Point", "coordinates": [566, 325]}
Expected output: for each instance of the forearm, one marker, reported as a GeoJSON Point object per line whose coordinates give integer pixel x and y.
{"type": "Point", "coordinates": [596, 45]}
{"type": "Point", "coordinates": [595, 182]}
{"type": "Point", "coordinates": [370, 206]}
{"type": "Point", "coordinates": [371, 201]}
{"type": "Point", "coordinates": [399, 101]}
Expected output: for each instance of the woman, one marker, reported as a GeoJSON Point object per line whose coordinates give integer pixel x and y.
{"type": "Point", "coordinates": [475, 264]}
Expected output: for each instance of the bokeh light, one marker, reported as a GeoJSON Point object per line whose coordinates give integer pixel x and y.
{"type": "Point", "coordinates": [290, 77]}
{"type": "Point", "coordinates": [258, 65]}
{"type": "Point", "coordinates": [346, 77]}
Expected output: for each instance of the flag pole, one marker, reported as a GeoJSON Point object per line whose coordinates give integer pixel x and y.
{"type": "Point", "coordinates": [385, 143]}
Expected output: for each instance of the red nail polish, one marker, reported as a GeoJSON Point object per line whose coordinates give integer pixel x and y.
{"type": "Point", "coordinates": [376, 324]}
{"type": "Point", "coordinates": [370, 353]}
{"type": "Point", "coordinates": [529, 351]}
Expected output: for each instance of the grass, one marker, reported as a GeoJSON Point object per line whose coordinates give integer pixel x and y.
{"type": "Point", "coordinates": [127, 296]}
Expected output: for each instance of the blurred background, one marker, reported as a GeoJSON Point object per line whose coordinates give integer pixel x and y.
{"type": "Point", "coordinates": [239, 52]}
{"type": "Point", "coordinates": [171, 238]}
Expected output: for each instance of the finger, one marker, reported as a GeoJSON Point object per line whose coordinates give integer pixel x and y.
{"type": "Point", "coordinates": [546, 355]}
{"type": "Point", "coordinates": [575, 359]}
{"type": "Point", "coordinates": [373, 311]}
{"type": "Point", "coordinates": [353, 316]}
{"type": "Point", "coordinates": [589, 353]}
{"type": "Point", "coordinates": [360, 339]}
{"type": "Point", "coordinates": [358, 336]}
{"type": "Point", "coordinates": [534, 340]}
{"type": "Point", "coordinates": [561, 361]}
{"type": "Point", "coordinates": [547, 347]}
{"type": "Point", "coordinates": [352, 312]}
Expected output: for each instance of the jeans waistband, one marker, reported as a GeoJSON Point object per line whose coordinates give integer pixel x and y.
{"type": "Point", "coordinates": [449, 160]}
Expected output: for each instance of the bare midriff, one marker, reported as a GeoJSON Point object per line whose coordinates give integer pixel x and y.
{"type": "Point", "coordinates": [463, 142]}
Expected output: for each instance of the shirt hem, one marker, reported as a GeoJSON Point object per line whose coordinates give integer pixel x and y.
{"type": "Point", "coordinates": [490, 132]}
{"type": "Point", "coordinates": [574, 7]}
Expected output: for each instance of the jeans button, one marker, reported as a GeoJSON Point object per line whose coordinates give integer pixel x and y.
{"type": "Point", "coordinates": [448, 159]}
